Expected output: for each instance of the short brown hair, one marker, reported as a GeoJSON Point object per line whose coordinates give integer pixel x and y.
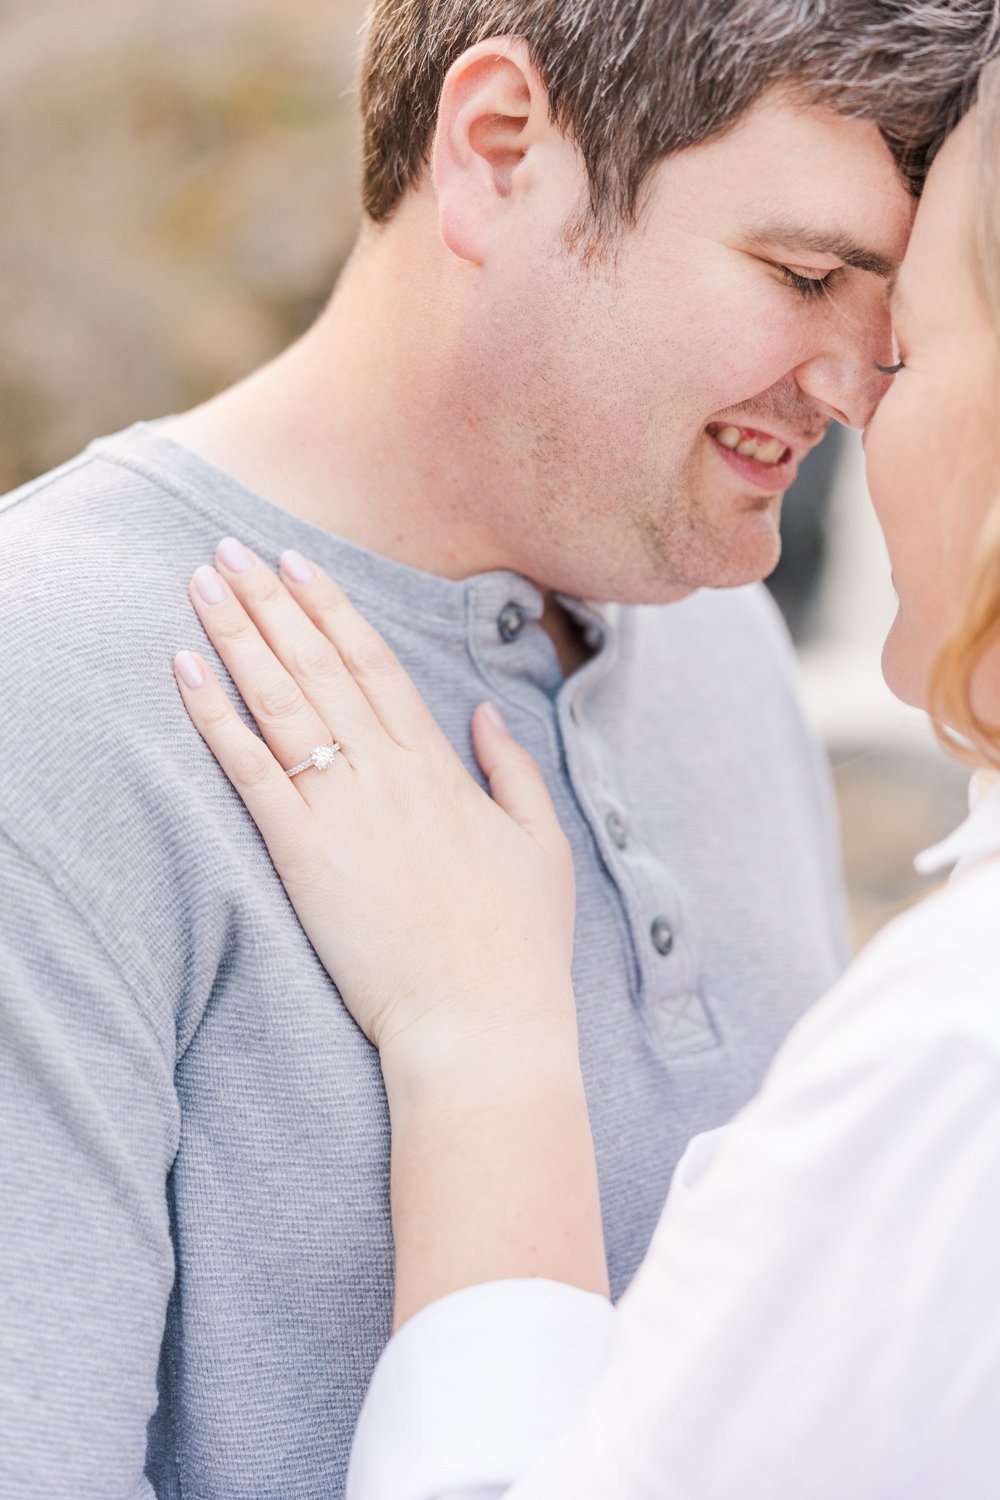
{"type": "Point", "coordinates": [633, 81]}
{"type": "Point", "coordinates": [977, 633]}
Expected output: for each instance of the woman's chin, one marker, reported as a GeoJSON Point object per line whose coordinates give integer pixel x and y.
{"type": "Point", "coordinates": [905, 668]}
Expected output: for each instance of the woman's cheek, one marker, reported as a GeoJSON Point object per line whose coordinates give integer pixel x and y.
{"type": "Point", "coordinates": [898, 485]}
{"type": "Point", "coordinates": [888, 471]}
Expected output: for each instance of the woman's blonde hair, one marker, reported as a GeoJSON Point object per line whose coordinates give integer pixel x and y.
{"type": "Point", "coordinates": [959, 725]}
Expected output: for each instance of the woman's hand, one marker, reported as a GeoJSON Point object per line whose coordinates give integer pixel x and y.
{"type": "Point", "coordinates": [444, 917]}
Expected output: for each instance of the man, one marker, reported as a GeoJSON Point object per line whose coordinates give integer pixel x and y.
{"type": "Point", "coordinates": [623, 263]}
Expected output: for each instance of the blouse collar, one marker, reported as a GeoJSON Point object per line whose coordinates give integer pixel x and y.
{"type": "Point", "coordinates": [975, 839]}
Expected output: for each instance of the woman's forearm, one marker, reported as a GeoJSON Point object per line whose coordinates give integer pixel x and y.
{"type": "Point", "coordinates": [493, 1171]}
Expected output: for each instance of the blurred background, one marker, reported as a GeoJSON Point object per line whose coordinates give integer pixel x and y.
{"type": "Point", "coordinates": [178, 180]}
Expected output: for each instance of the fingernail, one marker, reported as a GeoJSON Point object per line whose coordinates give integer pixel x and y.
{"type": "Point", "coordinates": [235, 555]}
{"type": "Point", "coordinates": [189, 668]}
{"type": "Point", "coordinates": [297, 567]}
{"type": "Point", "coordinates": [210, 585]}
{"type": "Point", "coordinates": [494, 713]}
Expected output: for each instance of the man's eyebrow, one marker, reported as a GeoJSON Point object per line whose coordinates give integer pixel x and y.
{"type": "Point", "coordinates": [823, 242]}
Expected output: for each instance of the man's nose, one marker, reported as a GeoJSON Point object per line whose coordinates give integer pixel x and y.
{"type": "Point", "coordinates": [843, 377]}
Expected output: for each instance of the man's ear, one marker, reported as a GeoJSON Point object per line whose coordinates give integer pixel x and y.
{"type": "Point", "coordinates": [494, 107]}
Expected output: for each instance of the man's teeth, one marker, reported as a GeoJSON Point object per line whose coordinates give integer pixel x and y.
{"type": "Point", "coordinates": [765, 451]}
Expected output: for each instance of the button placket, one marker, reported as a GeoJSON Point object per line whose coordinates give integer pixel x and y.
{"type": "Point", "coordinates": [617, 829]}
{"type": "Point", "coordinates": [662, 935]}
{"type": "Point", "coordinates": [511, 621]}
{"type": "Point", "coordinates": [676, 1014]}
{"type": "Point", "coordinates": [668, 994]}
{"type": "Point", "coordinates": [511, 657]}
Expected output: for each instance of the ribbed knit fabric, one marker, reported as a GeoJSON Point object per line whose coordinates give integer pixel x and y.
{"type": "Point", "coordinates": [195, 1248]}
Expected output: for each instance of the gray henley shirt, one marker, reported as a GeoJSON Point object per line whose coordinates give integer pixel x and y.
{"type": "Point", "coordinates": [195, 1246]}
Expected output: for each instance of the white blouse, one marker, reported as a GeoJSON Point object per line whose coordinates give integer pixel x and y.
{"type": "Point", "coordinates": [818, 1315]}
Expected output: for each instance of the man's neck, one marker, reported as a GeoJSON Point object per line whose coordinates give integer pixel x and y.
{"type": "Point", "coordinates": [352, 430]}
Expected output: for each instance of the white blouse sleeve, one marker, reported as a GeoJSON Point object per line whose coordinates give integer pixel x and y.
{"type": "Point", "coordinates": [785, 1336]}
{"type": "Point", "coordinates": [472, 1388]}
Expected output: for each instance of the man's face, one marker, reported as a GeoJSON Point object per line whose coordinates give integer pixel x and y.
{"type": "Point", "coordinates": [748, 308]}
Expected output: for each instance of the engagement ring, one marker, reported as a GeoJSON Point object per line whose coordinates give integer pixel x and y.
{"type": "Point", "coordinates": [322, 756]}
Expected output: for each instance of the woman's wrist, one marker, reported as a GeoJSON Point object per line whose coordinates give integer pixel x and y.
{"type": "Point", "coordinates": [493, 1172]}
{"type": "Point", "coordinates": [429, 1063]}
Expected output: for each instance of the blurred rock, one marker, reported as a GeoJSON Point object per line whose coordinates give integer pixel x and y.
{"type": "Point", "coordinates": [179, 193]}
{"type": "Point", "coordinates": [893, 803]}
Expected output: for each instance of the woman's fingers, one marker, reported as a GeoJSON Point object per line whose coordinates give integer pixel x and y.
{"type": "Point", "coordinates": [515, 781]}
{"type": "Point", "coordinates": [289, 676]}
{"type": "Point", "coordinates": [287, 720]}
{"type": "Point", "coordinates": [369, 659]}
{"type": "Point", "coordinates": [306, 661]}
{"type": "Point", "coordinates": [270, 796]}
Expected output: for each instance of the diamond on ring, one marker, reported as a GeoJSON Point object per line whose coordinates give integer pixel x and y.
{"type": "Point", "coordinates": [322, 756]}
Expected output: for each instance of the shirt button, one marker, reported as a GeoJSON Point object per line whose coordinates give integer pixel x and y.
{"type": "Point", "coordinates": [510, 622]}
{"type": "Point", "coordinates": [662, 935]}
{"type": "Point", "coordinates": [617, 831]}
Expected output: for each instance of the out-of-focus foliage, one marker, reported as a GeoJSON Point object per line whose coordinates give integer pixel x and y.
{"type": "Point", "coordinates": [178, 181]}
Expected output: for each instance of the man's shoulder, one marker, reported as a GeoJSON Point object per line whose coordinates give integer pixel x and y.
{"type": "Point", "coordinates": [104, 491]}
{"type": "Point", "coordinates": [94, 563]}
{"type": "Point", "coordinates": [19, 507]}
{"type": "Point", "coordinates": [102, 782]}
{"type": "Point", "coordinates": [101, 546]}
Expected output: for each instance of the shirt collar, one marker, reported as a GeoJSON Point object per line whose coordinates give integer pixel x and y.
{"type": "Point", "coordinates": [975, 839]}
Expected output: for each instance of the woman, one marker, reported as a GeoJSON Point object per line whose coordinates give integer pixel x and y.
{"type": "Point", "coordinates": [817, 1313]}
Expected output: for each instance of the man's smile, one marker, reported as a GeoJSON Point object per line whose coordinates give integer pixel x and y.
{"type": "Point", "coordinates": [767, 460]}
{"type": "Point", "coordinates": [750, 443]}
{"type": "Point", "coordinates": [760, 459]}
